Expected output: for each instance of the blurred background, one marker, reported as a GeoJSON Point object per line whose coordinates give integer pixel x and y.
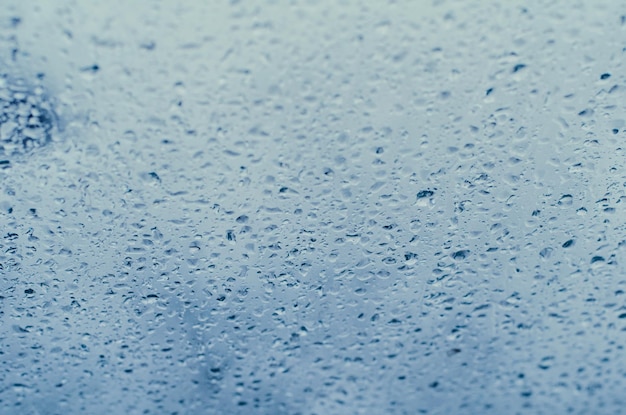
{"type": "Point", "coordinates": [312, 207]}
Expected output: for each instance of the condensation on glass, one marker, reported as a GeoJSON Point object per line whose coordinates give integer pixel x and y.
{"type": "Point", "coordinates": [312, 207]}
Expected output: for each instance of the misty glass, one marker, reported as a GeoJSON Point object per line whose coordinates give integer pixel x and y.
{"type": "Point", "coordinates": [312, 207]}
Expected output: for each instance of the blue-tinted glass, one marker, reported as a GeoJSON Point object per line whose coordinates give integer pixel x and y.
{"type": "Point", "coordinates": [312, 207]}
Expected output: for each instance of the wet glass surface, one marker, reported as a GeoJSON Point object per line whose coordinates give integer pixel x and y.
{"type": "Point", "coordinates": [312, 207]}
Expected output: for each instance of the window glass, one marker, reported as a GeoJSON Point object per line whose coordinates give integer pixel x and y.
{"type": "Point", "coordinates": [312, 207]}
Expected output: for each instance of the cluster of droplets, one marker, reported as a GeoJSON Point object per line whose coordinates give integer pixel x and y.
{"type": "Point", "coordinates": [27, 118]}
